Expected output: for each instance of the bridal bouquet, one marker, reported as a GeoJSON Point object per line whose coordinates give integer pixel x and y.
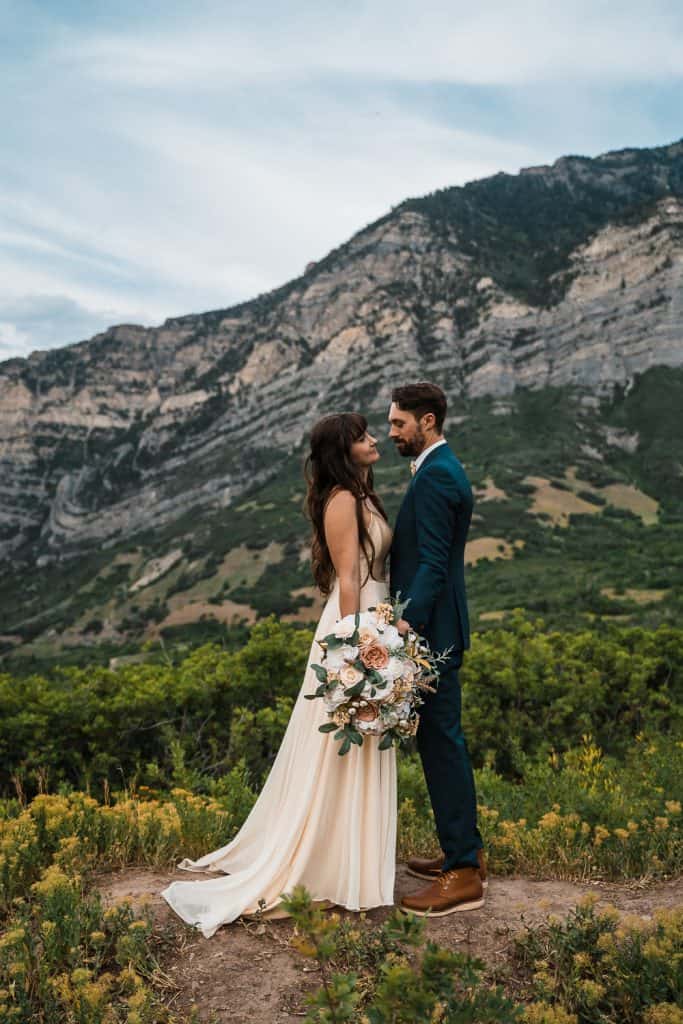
{"type": "Point", "coordinates": [371, 677]}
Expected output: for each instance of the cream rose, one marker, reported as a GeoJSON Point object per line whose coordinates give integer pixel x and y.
{"type": "Point", "coordinates": [366, 635]}
{"type": "Point", "coordinates": [350, 675]}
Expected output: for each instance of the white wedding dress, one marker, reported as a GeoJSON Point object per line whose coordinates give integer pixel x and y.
{"type": "Point", "coordinates": [321, 820]}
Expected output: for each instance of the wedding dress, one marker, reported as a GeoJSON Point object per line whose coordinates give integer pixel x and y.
{"type": "Point", "coordinates": [321, 820]}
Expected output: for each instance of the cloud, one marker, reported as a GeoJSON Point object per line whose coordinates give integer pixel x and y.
{"type": "Point", "coordinates": [403, 40]}
{"type": "Point", "coordinates": [160, 159]}
{"type": "Point", "coordinates": [13, 342]}
{"type": "Point", "coordinates": [46, 321]}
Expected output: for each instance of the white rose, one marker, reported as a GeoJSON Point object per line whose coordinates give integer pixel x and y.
{"type": "Point", "coordinates": [346, 627]}
{"type": "Point", "coordinates": [409, 669]}
{"type": "Point", "coordinates": [391, 637]}
{"type": "Point", "coordinates": [381, 692]}
{"type": "Point", "coordinates": [334, 698]}
{"type": "Point", "coordinates": [339, 656]}
{"type": "Point", "coordinates": [393, 670]}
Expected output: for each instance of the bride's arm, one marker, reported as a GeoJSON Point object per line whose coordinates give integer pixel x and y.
{"type": "Point", "coordinates": [341, 534]}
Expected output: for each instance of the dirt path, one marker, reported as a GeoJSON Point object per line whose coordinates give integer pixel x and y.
{"type": "Point", "coordinates": [248, 973]}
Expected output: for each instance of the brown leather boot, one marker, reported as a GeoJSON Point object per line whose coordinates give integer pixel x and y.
{"type": "Point", "coordinates": [431, 867]}
{"type": "Point", "coordinates": [425, 867]}
{"type": "Point", "coordinates": [451, 891]}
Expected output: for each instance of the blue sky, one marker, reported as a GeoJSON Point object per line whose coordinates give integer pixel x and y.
{"type": "Point", "coordinates": [166, 158]}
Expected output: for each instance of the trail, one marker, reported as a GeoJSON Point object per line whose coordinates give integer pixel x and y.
{"type": "Point", "coordinates": [248, 974]}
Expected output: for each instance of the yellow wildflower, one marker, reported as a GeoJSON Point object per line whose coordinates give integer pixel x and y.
{"type": "Point", "coordinates": [543, 1013]}
{"type": "Point", "coordinates": [12, 938]}
{"type": "Point", "coordinates": [53, 880]}
{"type": "Point", "coordinates": [545, 983]}
{"type": "Point", "coordinates": [591, 991]}
{"type": "Point", "coordinates": [661, 824]}
{"type": "Point", "coordinates": [673, 806]}
{"type": "Point", "coordinates": [670, 919]}
{"type": "Point", "coordinates": [629, 924]}
{"type": "Point", "coordinates": [663, 1013]}
{"type": "Point", "coordinates": [138, 926]}
{"type": "Point", "coordinates": [95, 995]}
{"type": "Point", "coordinates": [654, 950]}
{"type": "Point", "coordinates": [610, 914]}
{"type": "Point", "coordinates": [138, 999]}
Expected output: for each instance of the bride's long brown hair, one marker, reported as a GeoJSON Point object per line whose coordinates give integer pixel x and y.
{"type": "Point", "coordinates": [329, 466]}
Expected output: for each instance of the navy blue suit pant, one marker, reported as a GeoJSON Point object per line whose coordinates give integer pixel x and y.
{"type": "Point", "coordinates": [448, 771]}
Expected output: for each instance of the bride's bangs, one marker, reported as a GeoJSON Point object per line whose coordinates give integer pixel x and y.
{"type": "Point", "coordinates": [358, 425]}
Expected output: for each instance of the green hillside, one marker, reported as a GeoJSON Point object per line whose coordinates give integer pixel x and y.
{"type": "Point", "coordinates": [579, 515]}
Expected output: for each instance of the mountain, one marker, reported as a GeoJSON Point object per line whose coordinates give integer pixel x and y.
{"type": "Point", "coordinates": [536, 299]}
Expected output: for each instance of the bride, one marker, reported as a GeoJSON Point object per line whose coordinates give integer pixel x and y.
{"type": "Point", "coordinates": [321, 820]}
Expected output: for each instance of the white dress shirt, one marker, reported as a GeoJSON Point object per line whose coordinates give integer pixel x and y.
{"type": "Point", "coordinates": [425, 452]}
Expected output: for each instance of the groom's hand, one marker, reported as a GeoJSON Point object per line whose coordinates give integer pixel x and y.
{"type": "Point", "coordinates": [402, 626]}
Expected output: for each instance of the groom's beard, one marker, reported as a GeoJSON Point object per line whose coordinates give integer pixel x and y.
{"type": "Point", "coordinates": [413, 447]}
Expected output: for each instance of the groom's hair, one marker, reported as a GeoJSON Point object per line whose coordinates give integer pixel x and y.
{"type": "Point", "coordinates": [420, 399]}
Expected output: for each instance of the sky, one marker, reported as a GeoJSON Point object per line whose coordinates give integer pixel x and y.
{"type": "Point", "coordinates": [160, 158]}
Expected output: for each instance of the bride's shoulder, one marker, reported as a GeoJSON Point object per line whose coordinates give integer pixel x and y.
{"type": "Point", "coordinates": [340, 501]}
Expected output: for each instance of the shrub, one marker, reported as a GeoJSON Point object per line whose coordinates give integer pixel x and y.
{"type": "Point", "coordinates": [601, 967]}
{"type": "Point", "coordinates": [367, 971]}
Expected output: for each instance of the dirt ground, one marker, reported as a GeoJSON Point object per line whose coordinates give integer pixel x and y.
{"type": "Point", "coordinates": [247, 973]}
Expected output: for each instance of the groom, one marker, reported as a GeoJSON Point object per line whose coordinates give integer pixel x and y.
{"type": "Point", "coordinates": [427, 567]}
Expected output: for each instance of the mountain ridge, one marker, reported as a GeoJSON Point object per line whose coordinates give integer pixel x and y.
{"type": "Point", "coordinates": [561, 277]}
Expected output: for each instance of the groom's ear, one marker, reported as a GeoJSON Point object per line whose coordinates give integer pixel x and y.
{"type": "Point", "coordinates": [428, 421]}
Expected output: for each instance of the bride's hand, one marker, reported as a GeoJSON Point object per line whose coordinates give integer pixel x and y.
{"type": "Point", "coordinates": [403, 627]}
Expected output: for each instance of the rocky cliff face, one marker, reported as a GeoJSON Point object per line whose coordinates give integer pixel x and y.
{"type": "Point", "coordinates": [570, 274]}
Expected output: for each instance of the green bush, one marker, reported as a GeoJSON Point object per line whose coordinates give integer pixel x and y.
{"type": "Point", "coordinates": [576, 815]}
{"type": "Point", "coordinates": [526, 691]}
{"type": "Point", "coordinates": [82, 726]}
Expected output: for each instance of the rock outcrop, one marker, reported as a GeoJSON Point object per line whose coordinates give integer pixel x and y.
{"type": "Point", "coordinates": [562, 275]}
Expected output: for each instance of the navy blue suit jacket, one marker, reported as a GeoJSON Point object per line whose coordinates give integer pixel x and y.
{"type": "Point", "coordinates": [428, 551]}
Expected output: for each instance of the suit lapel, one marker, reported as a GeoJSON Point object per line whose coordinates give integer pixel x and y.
{"type": "Point", "coordinates": [434, 456]}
